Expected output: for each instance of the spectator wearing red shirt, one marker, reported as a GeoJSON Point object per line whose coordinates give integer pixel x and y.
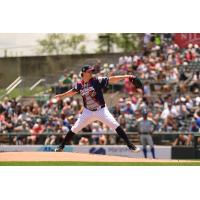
{"type": "Point", "coordinates": [37, 129]}
{"type": "Point", "coordinates": [190, 53]}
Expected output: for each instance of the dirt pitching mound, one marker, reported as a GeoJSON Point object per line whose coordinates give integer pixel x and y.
{"type": "Point", "coordinates": [63, 156]}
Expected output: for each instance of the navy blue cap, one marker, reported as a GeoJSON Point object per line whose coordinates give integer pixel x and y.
{"type": "Point", "coordinates": [87, 68]}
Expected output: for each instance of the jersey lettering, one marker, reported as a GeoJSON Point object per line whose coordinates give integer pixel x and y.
{"type": "Point", "coordinates": [91, 92]}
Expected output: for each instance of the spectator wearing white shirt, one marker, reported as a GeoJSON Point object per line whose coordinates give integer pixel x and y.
{"type": "Point", "coordinates": [168, 115]}
{"type": "Point", "coordinates": [170, 110]}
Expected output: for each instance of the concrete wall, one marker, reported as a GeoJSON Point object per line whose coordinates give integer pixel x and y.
{"type": "Point", "coordinates": [9, 70]}
{"type": "Point", "coordinates": [41, 66]}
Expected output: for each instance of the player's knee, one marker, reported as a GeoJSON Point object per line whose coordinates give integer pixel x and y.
{"type": "Point", "coordinates": [75, 130]}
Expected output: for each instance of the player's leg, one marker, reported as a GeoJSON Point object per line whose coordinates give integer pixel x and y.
{"type": "Point", "coordinates": [68, 137]}
{"type": "Point", "coordinates": [144, 144]}
{"type": "Point", "coordinates": [150, 142]}
{"type": "Point", "coordinates": [106, 117]}
{"type": "Point", "coordinates": [85, 119]}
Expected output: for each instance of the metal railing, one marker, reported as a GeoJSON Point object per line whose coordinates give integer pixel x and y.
{"type": "Point", "coordinates": [162, 138]}
{"type": "Point", "coordinates": [100, 133]}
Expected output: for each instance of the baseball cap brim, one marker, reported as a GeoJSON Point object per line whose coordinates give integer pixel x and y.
{"type": "Point", "coordinates": [87, 68]}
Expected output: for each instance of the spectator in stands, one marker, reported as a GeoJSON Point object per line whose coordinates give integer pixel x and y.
{"type": "Point", "coordinates": [173, 76]}
{"type": "Point", "coordinates": [180, 106]}
{"type": "Point", "coordinates": [195, 83]}
{"type": "Point", "coordinates": [190, 54]}
{"type": "Point", "coordinates": [121, 105]}
{"type": "Point", "coordinates": [67, 108]}
{"type": "Point", "coordinates": [102, 140]}
{"type": "Point", "coordinates": [24, 114]}
{"type": "Point", "coordinates": [170, 124]}
{"type": "Point", "coordinates": [181, 140]}
{"type": "Point", "coordinates": [192, 129]}
{"type": "Point", "coordinates": [187, 139]}
{"type": "Point", "coordinates": [116, 110]}
{"type": "Point", "coordinates": [197, 101]}
{"type": "Point", "coordinates": [24, 129]}
{"type": "Point", "coordinates": [197, 117]}
{"type": "Point", "coordinates": [159, 121]}
{"type": "Point", "coordinates": [169, 109]}
{"type": "Point", "coordinates": [75, 79]}
{"type": "Point", "coordinates": [168, 115]}
{"type": "Point", "coordinates": [189, 104]}
{"type": "Point", "coordinates": [97, 132]}
{"type": "Point", "coordinates": [8, 123]}
{"type": "Point", "coordinates": [129, 108]}
{"type": "Point", "coordinates": [147, 89]}
{"type": "Point", "coordinates": [87, 129]}
{"type": "Point", "coordinates": [83, 141]}
{"type": "Point", "coordinates": [55, 128]}
{"type": "Point", "coordinates": [37, 129]}
{"type": "Point", "coordinates": [35, 110]}
{"type": "Point", "coordinates": [6, 103]}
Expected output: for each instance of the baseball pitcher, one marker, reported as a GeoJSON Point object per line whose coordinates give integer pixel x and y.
{"type": "Point", "coordinates": [90, 88]}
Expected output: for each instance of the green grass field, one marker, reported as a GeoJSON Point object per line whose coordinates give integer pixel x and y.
{"type": "Point", "coordinates": [68, 163]}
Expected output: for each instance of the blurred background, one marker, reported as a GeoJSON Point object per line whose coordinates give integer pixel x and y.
{"type": "Point", "coordinates": [35, 67]}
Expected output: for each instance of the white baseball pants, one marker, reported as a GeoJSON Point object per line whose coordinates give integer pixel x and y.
{"type": "Point", "coordinates": [103, 115]}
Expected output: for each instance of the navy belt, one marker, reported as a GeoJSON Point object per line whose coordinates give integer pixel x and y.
{"type": "Point", "coordinates": [97, 108]}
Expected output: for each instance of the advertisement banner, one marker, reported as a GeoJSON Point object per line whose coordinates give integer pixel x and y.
{"type": "Point", "coordinates": [162, 152]}
{"type": "Point", "coordinates": [183, 39]}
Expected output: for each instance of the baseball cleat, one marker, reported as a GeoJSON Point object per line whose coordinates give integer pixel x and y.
{"type": "Point", "coordinates": [136, 150]}
{"type": "Point", "coordinates": [133, 148]}
{"type": "Point", "coordinates": [58, 149]}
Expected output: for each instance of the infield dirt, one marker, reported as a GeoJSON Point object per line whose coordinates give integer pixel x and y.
{"type": "Point", "coordinates": [63, 156]}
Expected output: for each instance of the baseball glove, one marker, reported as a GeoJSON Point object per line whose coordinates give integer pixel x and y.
{"type": "Point", "coordinates": [136, 82]}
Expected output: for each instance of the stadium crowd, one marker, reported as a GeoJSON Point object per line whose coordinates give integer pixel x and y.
{"type": "Point", "coordinates": [171, 94]}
